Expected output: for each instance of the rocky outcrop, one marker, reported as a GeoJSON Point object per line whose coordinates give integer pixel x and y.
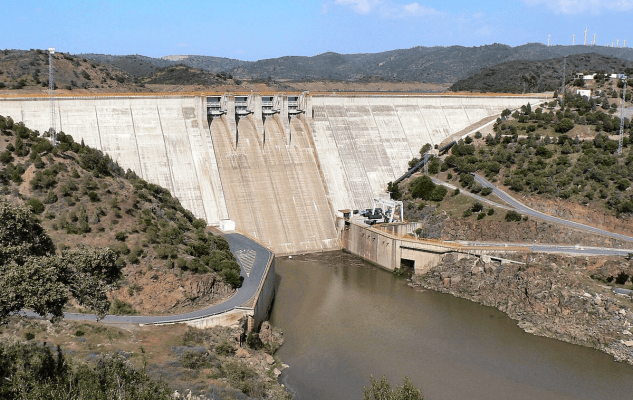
{"type": "Point", "coordinates": [161, 292]}
{"type": "Point", "coordinates": [550, 296]}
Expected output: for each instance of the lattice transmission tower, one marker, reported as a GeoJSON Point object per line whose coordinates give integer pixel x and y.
{"type": "Point", "coordinates": [622, 117]}
{"type": "Point", "coordinates": [51, 90]}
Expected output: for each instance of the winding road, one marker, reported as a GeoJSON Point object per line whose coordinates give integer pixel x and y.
{"type": "Point", "coordinates": [523, 209]}
{"type": "Point", "coordinates": [253, 259]}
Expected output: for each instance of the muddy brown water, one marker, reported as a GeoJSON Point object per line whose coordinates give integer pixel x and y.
{"type": "Point", "coordinates": [345, 320]}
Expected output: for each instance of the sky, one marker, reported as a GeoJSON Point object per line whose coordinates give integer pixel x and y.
{"type": "Point", "coordinates": [259, 29]}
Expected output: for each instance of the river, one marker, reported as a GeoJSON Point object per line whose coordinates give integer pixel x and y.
{"type": "Point", "coordinates": [345, 320]}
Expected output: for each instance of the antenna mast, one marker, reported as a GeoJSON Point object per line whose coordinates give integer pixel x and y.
{"type": "Point", "coordinates": [562, 103]}
{"type": "Point", "coordinates": [51, 91]}
{"type": "Point", "coordinates": [622, 118]}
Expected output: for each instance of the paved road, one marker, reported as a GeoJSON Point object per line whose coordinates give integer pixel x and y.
{"type": "Point", "coordinates": [523, 209]}
{"type": "Point", "coordinates": [252, 257]}
{"type": "Point", "coordinates": [474, 196]}
{"type": "Point", "coordinates": [548, 248]}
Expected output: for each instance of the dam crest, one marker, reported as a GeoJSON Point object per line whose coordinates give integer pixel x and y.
{"type": "Point", "coordinates": [278, 164]}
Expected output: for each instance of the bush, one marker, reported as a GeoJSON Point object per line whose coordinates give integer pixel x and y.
{"type": "Point", "coordinates": [422, 188]}
{"type": "Point", "coordinates": [225, 349]}
{"type": "Point", "coordinates": [254, 342]}
{"type": "Point", "coordinates": [477, 207]}
{"type": "Point", "coordinates": [481, 216]}
{"type": "Point", "coordinates": [486, 191]}
{"type": "Point", "coordinates": [491, 211]}
{"type": "Point", "coordinates": [93, 196]}
{"type": "Point", "coordinates": [467, 213]}
{"type": "Point", "coordinates": [195, 359]}
{"type": "Point", "coordinates": [119, 307]}
{"type": "Point", "coordinates": [37, 207]}
{"type": "Point", "coordinates": [622, 278]}
{"type": "Point", "coordinates": [513, 216]}
{"type": "Point", "coordinates": [120, 236]}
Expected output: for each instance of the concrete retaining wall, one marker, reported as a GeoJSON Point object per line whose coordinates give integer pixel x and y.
{"type": "Point", "coordinates": [386, 250]}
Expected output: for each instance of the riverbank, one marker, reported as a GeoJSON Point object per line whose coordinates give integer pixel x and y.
{"type": "Point", "coordinates": [565, 298]}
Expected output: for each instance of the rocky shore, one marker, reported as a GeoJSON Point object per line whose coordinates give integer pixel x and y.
{"type": "Point", "coordinates": [565, 298]}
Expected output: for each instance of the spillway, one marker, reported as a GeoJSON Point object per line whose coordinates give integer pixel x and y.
{"type": "Point", "coordinates": [282, 174]}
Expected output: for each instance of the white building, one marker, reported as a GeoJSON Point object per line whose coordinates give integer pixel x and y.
{"type": "Point", "coordinates": [584, 92]}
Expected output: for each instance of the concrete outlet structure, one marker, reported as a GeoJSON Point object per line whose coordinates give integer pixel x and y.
{"type": "Point", "coordinates": [279, 165]}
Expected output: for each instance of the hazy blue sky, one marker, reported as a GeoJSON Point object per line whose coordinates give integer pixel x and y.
{"type": "Point", "coordinates": [256, 29]}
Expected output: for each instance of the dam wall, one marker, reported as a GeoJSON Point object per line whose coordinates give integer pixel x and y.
{"type": "Point", "coordinates": [278, 165]}
{"type": "Point", "coordinates": [365, 142]}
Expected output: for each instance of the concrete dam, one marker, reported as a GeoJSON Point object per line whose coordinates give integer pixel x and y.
{"type": "Point", "coordinates": [279, 165]}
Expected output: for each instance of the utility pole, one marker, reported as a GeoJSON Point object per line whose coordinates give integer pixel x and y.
{"type": "Point", "coordinates": [622, 118]}
{"type": "Point", "coordinates": [51, 90]}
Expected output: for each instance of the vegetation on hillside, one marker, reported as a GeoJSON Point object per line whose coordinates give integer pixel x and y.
{"type": "Point", "coordinates": [538, 152]}
{"type": "Point", "coordinates": [83, 196]}
{"type": "Point", "coordinates": [521, 76]}
{"type": "Point", "coordinates": [31, 370]}
{"type": "Point", "coordinates": [29, 70]}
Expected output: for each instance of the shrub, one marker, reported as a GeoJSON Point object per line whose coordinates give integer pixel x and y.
{"type": "Point", "coordinates": [199, 223]}
{"type": "Point", "coordinates": [467, 213]}
{"type": "Point", "coordinates": [477, 207]}
{"type": "Point", "coordinates": [119, 307]}
{"type": "Point", "coordinates": [93, 196]}
{"type": "Point", "coordinates": [513, 216]}
{"type": "Point", "coordinates": [51, 197]}
{"type": "Point", "coordinates": [195, 359]}
{"type": "Point", "coordinates": [622, 278]}
{"type": "Point", "coordinates": [225, 349]}
{"type": "Point", "coordinates": [491, 211]}
{"type": "Point", "coordinates": [486, 191]}
{"type": "Point", "coordinates": [37, 207]}
{"type": "Point", "coordinates": [481, 216]}
{"type": "Point", "coordinates": [254, 342]}
{"type": "Point", "coordinates": [120, 236]}
{"type": "Point", "coordinates": [422, 187]}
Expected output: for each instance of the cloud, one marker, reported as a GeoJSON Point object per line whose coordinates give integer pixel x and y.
{"type": "Point", "coordinates": [390, 8]}
{"type": "Point", "coordinates": [359, 6]}
{"type": "Point", "coordinates": [582, 6]}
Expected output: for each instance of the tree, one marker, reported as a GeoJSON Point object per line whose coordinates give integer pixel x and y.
{"type": "Point", "coordinates": [381, 390]}
{"type": "Point", "coordinates": [33, 276]}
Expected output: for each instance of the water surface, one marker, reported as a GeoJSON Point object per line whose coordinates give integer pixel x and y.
{"type": "Point", "coordinates": [344, 321]}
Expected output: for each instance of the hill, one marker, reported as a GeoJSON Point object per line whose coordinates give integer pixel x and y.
{"type": "Point", "coordinates": [538, 76]}
{"type": "Point", "coordinates": [29, 70]}
{"type": "Point", "coordinates": [171, 262]}
{"type": "Point", "coordinates": [419, 64]}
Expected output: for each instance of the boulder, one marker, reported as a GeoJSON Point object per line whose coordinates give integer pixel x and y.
{"type": "Point", "coordinates": [242, 353]}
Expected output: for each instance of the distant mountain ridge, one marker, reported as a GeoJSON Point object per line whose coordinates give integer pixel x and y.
{"type": "Point", "coordinates": [538, 76]}
{"type": "Point", "coordinates": [421, 64]}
